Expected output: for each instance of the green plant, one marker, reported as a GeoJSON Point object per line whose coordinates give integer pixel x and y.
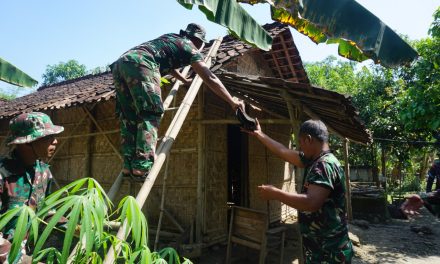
{"type": "Point", "coordinates": [87, 208]}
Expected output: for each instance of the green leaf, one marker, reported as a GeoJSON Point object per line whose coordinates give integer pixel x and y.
{"type": "Point", "coordinates": [70, 232]}
{"type": "Point", "coordinates": [55, 218]}
{"type": "Point", "coordinates": [19, 234]}
{"type": "Point", "coordinates": [11, 74]}
{"type": "Point", "coordinates": [346, 20]}
{"type": "Point", "coordinates": [230, 14]}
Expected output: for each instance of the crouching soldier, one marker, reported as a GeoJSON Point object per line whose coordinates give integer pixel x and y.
{"type": "Point", "coordinates": [24, 176]}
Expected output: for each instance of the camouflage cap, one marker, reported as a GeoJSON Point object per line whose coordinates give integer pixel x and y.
{"type": "Point", "coordinates": [29, 127]}
{"type": "Point", "coordinates": [195, 30]}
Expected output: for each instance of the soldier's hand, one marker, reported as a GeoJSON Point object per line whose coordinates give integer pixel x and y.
{"type": "Point", "coordinates": [253, 132]}
{"type": "Point", "coordinates": [267, 192]}
{"type": "Point", "coordinates": [187, 82]}
{"type": "Point", "coordinates": [238, 104]}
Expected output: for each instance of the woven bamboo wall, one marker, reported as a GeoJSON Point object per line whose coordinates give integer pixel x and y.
{"type": "Point", "coordinates": [216, 169]}
{"type": "Point", "coordinates": [265, 168]}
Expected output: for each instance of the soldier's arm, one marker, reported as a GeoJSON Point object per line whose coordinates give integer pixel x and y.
{"type": "Point", "coordinates": [176, 74]}
{"type": "Point", "coordinates": [289, 155]}
{"type": "Point", "coordinates": [310, 202]}
{"type": "Point", "coordinates": [214, 84]}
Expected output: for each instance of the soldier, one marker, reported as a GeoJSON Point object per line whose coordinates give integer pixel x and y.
{"type": "Point", "coordinates": [321, 204]}
{"type": "Point", "coordinates": [24, 177]}
{"type": "Point", "coordinates": [433, 174]}
{"type": "Point", "coordinates": [139, 104]}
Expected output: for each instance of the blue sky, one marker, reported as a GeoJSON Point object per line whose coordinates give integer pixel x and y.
{"type": "Point", "coordinates": [95, 32]}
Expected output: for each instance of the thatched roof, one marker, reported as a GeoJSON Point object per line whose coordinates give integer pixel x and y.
{"type": "Point", "coordinates": [272, 94]}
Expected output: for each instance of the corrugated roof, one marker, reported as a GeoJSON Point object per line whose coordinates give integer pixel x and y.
{"type": "Point", "coordinates": [93, 88]}
{"type": "Point", "coordinates": [271, 94]}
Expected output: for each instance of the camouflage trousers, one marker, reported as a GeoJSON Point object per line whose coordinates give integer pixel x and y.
{"type": "Point", "coordinates": [139, 107]}
{"type": "Point", "coordinates": [325, 253]}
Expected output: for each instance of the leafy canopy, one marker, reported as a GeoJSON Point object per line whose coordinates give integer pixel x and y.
{"type": "Point", "coordinates": [63, 71]}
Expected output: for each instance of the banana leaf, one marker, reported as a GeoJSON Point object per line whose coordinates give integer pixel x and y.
{"type": "Point", "coordinates": [230, 14]}
{"type": "Point", "coordinates": [359, 34]}
{"type": "Point", "coordinates": [11, 74]}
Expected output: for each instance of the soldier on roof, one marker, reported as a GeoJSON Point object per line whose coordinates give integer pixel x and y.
{"type": "Point", "coordinates": [139, 104]}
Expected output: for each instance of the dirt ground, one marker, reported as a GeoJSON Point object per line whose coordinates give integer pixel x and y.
{"type": "Point", "coordinates": [392, 242]}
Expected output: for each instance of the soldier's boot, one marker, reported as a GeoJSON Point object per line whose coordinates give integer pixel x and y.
{"type": "Point", "coordinates": [140, 175]}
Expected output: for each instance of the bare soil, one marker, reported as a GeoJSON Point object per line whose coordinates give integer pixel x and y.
{"type": "Point", "coordinates": [391, 242]}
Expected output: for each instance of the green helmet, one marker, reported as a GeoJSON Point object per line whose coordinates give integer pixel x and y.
{"type": "Point", "coordinates": [195, 30]}
{"type": "Point", "coordinates": [29, 127]}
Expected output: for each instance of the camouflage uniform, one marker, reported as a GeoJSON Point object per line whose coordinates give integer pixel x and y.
{"type": "Point", "coordinates": [139, 104]}
{"type": "Point", "coordinates": [20, 184]}
{"type": "Point", "coordinates": [433, 175]}
{"type": "Point", "coordinates": [324, 232]}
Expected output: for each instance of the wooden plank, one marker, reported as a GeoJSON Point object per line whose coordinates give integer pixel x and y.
{"type": "Point", "coordinates": [347, 181]}
{"type": "Point", "coordinates": [246, 243]}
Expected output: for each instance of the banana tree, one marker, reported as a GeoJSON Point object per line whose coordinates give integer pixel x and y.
{"type": "Point", "coordinates": [11, 74]}
{"type": "Point", "coordinates": [360, 35]}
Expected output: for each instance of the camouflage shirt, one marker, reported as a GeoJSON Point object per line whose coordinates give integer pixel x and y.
{"type": "Point", "coordinates": [169, 51]}
{"type": "Point", "coordinates": [325, 231]}
{"type": "Point", "coordinates": [22, 185]}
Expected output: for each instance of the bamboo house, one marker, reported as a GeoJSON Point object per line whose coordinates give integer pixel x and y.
{"type": "Point", "coordinates": [212, 164]}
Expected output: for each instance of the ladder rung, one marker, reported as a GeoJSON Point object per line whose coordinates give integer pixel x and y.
{"type": "Point", "coordinates": [172, 109]}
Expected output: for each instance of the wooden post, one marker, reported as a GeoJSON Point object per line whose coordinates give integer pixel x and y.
{"type": "Point", "coordinates": [87, 155]}
{"type": "Point", "coordinates": [200, 209]}
{"type": "Point", "coordinates": [164, 149]}
{"type": "Point", "coordinates": [347, 181]}
{"type": "Point", "coordinates": [294, 115]}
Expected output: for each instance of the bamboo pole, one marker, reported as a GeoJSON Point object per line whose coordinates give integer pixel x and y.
{"type": "Point", "coordinates": [164, 148]}
{"type": "Point", "coordinates": [236, 122]}
{"type": "Point", "coordinates": [174, 90]}
{"type": "Point", "coordinates": [162, 205]}
{"type": "Point", "coordinates": [200, 209]}
{"type": "Point", "coordinates": [88, 151]}
{"type": "Point", "coordinates": [115, 187]}
{"type": "Point", "coordinates": [87, 111]}
{"type": "Point", "coordinates": [294, 119]}
{"type": "Point", "coordinates": [347, 181]}
{"type": "Point", "coordinates": [164, 184]}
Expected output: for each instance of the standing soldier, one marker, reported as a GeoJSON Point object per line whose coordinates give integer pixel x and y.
{"type": "Point", "coordinates": [321, 203]}
{"type": "Point", "coordinates": [433, 175]}
{"type": "Point", "coordinates": [139, 104]}
{"type": "Point", "coordinates": [24, 177]}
